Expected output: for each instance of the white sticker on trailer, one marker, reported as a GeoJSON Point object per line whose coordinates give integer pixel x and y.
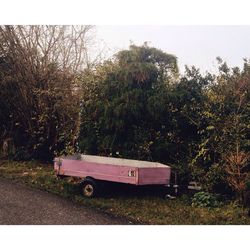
{"type": "Point", "coordinates": [131, 173]}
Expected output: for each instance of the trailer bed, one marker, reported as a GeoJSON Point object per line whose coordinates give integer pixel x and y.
{"type": "Point", "coordinates": [113, 169]}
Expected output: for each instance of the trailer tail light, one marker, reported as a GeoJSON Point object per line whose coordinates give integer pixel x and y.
{"type": "Point", "coordinates": [131, 173]}
{"type": "Point", "coordinates": [58, 164]}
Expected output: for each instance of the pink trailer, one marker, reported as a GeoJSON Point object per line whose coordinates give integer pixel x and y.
{"type": "Point", "coordinates": [97, 168]}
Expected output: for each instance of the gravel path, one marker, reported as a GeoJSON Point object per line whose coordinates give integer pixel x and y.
{"type": "Point", "coordinates": [21, 205]}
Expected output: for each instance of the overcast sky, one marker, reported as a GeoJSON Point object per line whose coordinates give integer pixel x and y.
{"type": "Point", "coordinates": [193, 45]}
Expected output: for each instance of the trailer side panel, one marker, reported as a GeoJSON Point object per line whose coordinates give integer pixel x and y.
{"type": "Point", "coordinates": [157, 176]}
{"type": "Point", "coordinates": [99, 171]}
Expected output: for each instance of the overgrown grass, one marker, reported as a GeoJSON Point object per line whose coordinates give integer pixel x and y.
{"type": "Point", "coordinates": [141, 207]}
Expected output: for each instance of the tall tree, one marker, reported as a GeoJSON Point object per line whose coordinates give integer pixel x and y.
{"type": "Point", "coordinates": [223, 151]}
{"type": "Point", "coordinates": [39, 104]}
{"type": "Point", "coordinates": [120, 109]}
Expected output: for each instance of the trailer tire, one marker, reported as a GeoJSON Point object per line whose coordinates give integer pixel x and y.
{"type": "Point", "coordinates": [89, 188]}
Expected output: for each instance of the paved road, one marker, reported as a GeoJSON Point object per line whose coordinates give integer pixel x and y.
{"type": "Point", "coordinates": [21, 205]}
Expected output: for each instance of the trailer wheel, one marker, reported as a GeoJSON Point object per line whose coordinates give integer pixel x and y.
{"type": "Point", "coordinates": [89, 188]}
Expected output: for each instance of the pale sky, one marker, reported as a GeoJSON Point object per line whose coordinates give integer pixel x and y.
{"type": "Point", "coordinates": [193, 45]}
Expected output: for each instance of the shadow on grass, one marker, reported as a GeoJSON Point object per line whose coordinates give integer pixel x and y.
{"type": "Point", "coordinates": [116, 190]}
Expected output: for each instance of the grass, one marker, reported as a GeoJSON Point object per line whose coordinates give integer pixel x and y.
{"type": "Point", "coordinates": [138, 205]}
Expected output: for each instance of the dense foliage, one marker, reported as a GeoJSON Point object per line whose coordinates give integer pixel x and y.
{"type": "Point", "coordinates": [123, 107]}
{"type": "Point", "coordinates": [138, 106]}
{"type": "Point", "coordinates": [39, 104]}
{"type": "Point", "coordinates": [204, 199]}
{"type": "Point", "coordinates": [135, 105]}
